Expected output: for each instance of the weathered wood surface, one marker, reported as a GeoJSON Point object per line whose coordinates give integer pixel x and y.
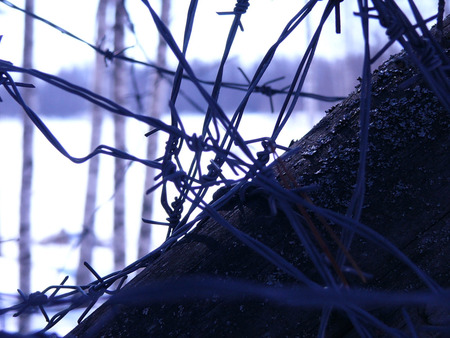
{"type": "Point", "coordinates": [407, 201]}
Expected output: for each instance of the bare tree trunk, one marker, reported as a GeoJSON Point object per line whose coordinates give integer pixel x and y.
{"type": "Point", "coordinates": [406, 202]}
{"type": "Point", "coordinates": [119, 137]}
{"type": "Point", "coordinates": [87, 235]}
{"type": "Point", "coordinates": [27, 171]}
{"type": "Point", "coordinates": [152, 145]}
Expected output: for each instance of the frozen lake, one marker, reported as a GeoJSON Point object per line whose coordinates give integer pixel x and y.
{"type": "Point", "coordinates": [59, 188]}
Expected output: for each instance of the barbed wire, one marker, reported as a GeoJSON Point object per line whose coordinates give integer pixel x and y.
{"type": "Point", "coordinates": [220, 137]}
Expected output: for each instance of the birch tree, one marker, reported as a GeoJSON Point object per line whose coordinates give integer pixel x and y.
{"type": "Point", "coordinates": [152, 145]}
{"type": "Point", "coordinates": [27, 170]}
{"type": "Point", "coordinates": [88, 236]}
{"type": "Point", "coordinates": [119, 89]}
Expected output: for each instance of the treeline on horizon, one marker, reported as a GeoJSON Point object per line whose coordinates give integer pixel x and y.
{"type": "Point", "coordinates": [327, 77]}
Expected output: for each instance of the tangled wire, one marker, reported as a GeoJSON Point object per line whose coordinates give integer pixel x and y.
{"type": "Point", "coordinates": [192, 182]}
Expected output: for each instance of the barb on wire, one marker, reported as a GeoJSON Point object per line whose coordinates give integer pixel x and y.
{"type": "Point", "coordinates": [7, 81]}
{"type": "Point", "coordinates": [239, 9]}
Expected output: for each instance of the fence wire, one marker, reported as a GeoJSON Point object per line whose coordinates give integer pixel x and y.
{"type": "Point", "coordinates": [220, 136]}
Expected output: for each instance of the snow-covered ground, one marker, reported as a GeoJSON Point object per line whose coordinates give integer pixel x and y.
{"type": "Point", "coordinates": [59, 191]}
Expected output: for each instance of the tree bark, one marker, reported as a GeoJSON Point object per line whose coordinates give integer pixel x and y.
{"type": "Point", "coordinates": [87, 240]}
{"type": "Point", "coordinates": [406, 201]}
{"type": "Point", "coordinates": [27, 170]}
{"type": "Point", "coordinates": [120, 89]}
{"type": "Point", "coordinates": [145, 233]}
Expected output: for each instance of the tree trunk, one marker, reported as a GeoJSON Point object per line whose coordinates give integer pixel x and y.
{"type": "Point", "coordinates": [406, 201]}
{"type": "Point", "coordinates": [88, 236]}
{"type": "Point", "coordinates": [120, 89]}
{"type": "Point", "coordinates": [152, 145]}
{"type": "Point", "coordinates": [27, 170]}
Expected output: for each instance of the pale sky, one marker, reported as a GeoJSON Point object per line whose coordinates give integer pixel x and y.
{"type": "Point", "coordinates": [263, 23]}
